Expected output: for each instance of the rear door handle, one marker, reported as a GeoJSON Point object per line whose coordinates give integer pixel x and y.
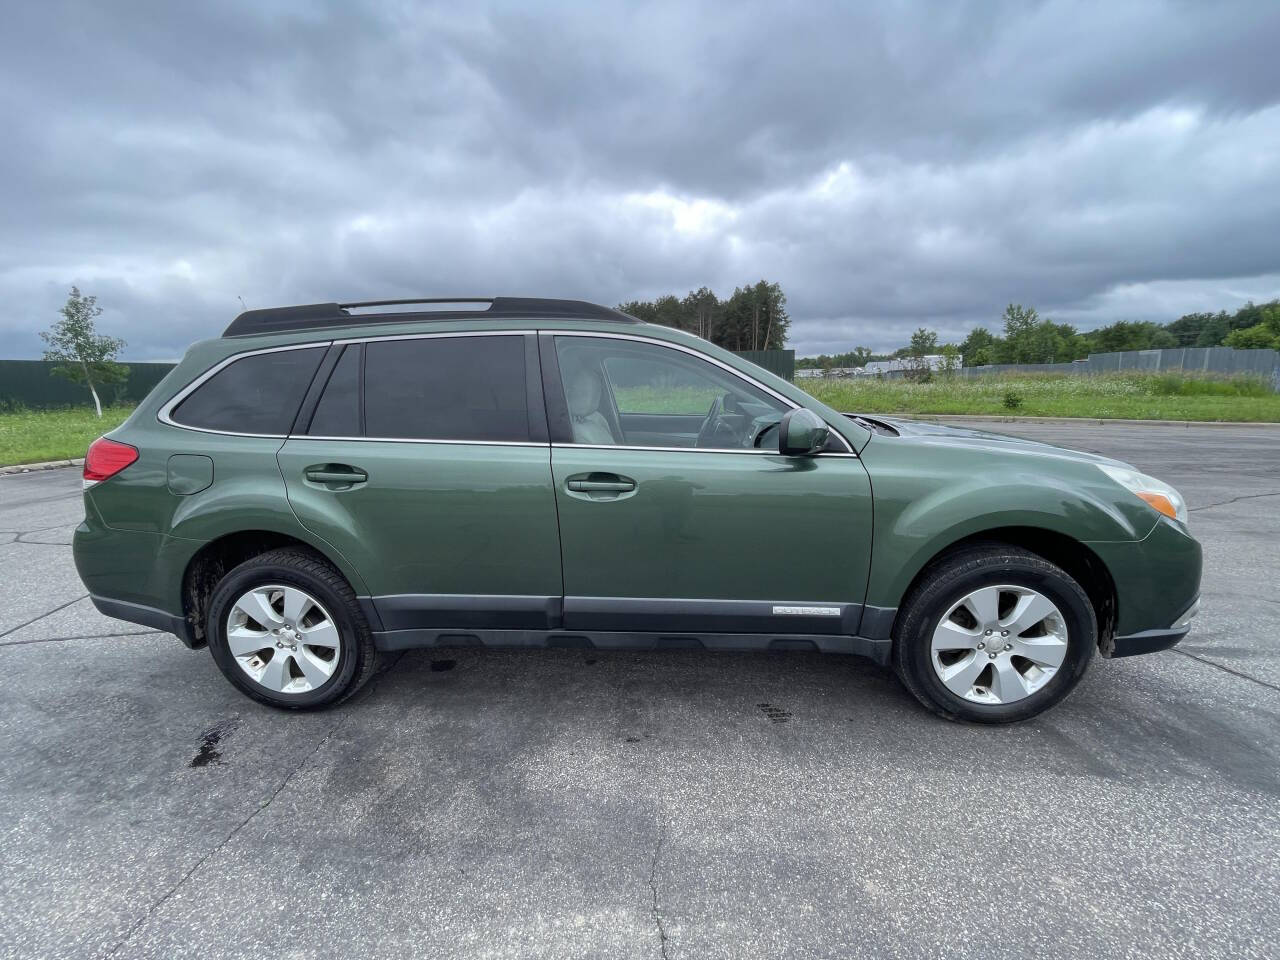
{"type": "Point", "coordinates": [602, 486]}
{"type": "Point", "coordinates": [336, 474]}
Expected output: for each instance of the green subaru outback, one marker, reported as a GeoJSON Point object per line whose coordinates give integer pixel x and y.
{"type": "Point", "coordinates": [326, 482]}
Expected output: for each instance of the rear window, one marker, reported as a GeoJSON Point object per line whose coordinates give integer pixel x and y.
{"type": "Point", "coordinates": [255, 394]}
{"type": "Point", "coordinates": [446, 388]}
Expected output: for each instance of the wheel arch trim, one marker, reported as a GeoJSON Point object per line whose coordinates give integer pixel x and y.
{"type": "Point", "coordinates": [1074, 556]}
{"type": "Point", "coordinates": [233, 547]}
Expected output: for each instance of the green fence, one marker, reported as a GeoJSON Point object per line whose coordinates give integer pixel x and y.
{"type": "Point", "coordinates": [781, 363]}
{"type": "Point", "coordinates": [31, 384]}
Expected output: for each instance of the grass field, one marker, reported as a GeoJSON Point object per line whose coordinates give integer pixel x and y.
{"type": "Point", "coordinates": [32, 436]}
{"type": "Point", "coordinates": [1137, 396]}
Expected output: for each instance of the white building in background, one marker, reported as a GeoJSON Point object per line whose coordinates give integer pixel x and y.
{"type": "Point", "coordinates": [817, 372]}
{"type": "Point", "coordinates": [933, 361]}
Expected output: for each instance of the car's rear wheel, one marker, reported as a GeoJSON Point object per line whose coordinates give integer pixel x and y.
{"type": "Point", "coordinates": [994, 634]}
{"type": "Point", "coordinates": [285, 627]}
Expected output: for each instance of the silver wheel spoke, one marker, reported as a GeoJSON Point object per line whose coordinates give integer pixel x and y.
{"type": "Point", "coordinates": [1030, 609]}
{"type": "Point", "coordinates": [323, 634]}
{"type": "Point", "coordinates": [984, 604]}
{"type": "Point", "coordinates": [982, 657]}
{"type": "Point", "coordinates": [256, 605]}
{"type": "Point", "coordinates": [960, 676]}
{"type": "Point", "coordinates": [316, 671]}
{"type": "Point", "coordinates": [243, 640]}
{"type": "Point", "coordinates": [1046, 652]}
{"type": "Point", "coordinates": [1007, 683]}
{"type": "Point", "coordinates": [276, 674]}
{"type": "Point", "coordinates": [951, 636]}
{"type": "Point", "coordinates": [296, 605]}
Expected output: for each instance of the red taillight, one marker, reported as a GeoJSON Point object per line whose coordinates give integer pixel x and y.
{"type": "Point", "coordinates": [106, 458]}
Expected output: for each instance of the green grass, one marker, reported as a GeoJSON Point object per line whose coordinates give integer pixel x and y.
{"type": "Point", "coordinates": [683, 399]}
{"type": "Point", "coordinates": [32, 436]}
{"type": "Point", "coordinates": [1137, 396]}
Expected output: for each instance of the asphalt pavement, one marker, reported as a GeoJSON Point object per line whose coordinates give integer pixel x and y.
{"type": "Point", "coordinates": [581, 804]}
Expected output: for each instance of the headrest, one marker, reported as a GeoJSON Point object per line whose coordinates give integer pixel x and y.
{"type": "Point", "coordinates": [583, 392]}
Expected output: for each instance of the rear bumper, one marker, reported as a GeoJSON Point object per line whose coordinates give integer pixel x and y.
{"type": "Point", "coordinates": [146, 616]}
{"type": "Point", "coordinates": [133, 575]}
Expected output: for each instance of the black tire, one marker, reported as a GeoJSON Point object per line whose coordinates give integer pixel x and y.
{"type": "Point", "coordinates": [945, 583]}
{"type": "Point", "coordinates": [357, 656]}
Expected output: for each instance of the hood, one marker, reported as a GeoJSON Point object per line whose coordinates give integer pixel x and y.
{"type": "Point", "coordinates": [924, 431]}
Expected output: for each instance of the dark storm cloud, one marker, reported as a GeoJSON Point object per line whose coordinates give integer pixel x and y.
{"type": "Point", "coordinates": [891, 167]}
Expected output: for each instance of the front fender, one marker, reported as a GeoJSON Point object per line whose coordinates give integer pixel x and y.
{"type": "Point", "coordinates": [930, 496]}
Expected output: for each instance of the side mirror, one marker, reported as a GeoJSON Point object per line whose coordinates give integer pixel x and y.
{"type": "Point", "coordinates": [802, 433]}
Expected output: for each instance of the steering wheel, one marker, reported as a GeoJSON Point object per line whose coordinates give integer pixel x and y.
{"type": "Point", "coordinates": [711, 424]}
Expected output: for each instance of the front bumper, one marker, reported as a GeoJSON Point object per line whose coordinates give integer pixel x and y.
{"type": "Point", "coordinates": [1151, 641]}
{"type": "Point", "coordinates": [1157, 583]}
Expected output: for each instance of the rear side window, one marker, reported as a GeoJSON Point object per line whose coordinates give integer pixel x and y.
{"type": "Point", "coordinates": [255, 394]}
{"type": "Point", "coordinates": [338, 412]}
{"type": "Point", "coordinates": [447, 388]}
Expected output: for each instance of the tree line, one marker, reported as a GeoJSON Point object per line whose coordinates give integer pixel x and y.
{"type": "Point", "coordinates": [753, 318]}
{"type": "Point", "coordinates": [1026, 337]}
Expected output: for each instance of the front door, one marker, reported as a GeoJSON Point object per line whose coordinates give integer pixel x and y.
{"type": "Point", "coordinates": [426, 465]}
{"type": "Point", "coordinates": [675, 514]}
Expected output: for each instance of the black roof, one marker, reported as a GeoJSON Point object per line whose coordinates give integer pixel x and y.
{"type": "Point", "coordinates": [318, 315]}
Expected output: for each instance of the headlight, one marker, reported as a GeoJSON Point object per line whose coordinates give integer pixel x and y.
{"type": "Point", "coordinates": [1156, 492]}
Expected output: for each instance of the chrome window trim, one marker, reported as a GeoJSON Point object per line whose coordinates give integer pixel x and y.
{"type": "Point", "coordinates": [701, 356]}
{"type": "Point", "coordinates": [752, 452]}
{"type": "Point", "coordinates": [473, 443]}
{"type": "Point", "coordinates": [165, 414]}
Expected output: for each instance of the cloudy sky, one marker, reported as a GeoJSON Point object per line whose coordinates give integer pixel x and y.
{"type": "Point", "coordinates": [907, 164]}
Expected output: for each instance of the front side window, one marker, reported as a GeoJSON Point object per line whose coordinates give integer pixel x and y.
{"type": "Point", "coordinates": [447, 388]}
{"type": "Point", "coordinates": [255, 394]}
{"type": "Point", "coordinates": [631, 393]}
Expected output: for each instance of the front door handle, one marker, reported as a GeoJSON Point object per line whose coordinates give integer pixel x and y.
{"type": "Point", "coordinates": [600, 486]}
{"type": "Point", "coordinates": [335, 475]}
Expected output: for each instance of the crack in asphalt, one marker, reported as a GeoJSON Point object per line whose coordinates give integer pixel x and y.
{"type": "Point", "coordinates": [61, 496]}
{"type": "Point", "coordinates": [93, 636]}
{"type": "Point", "coordinates": [653, 888]}
{"type": "Point", "coordinates": [1223, 503]}
{"type": "Point", "coordinates": [50, 613]}
{"type": "Point", "coordinates": [1226, 669]}
{"type": "Point", "coordinates": [262, 805]}
{"type": "Point", "coordinates": [227, 839]}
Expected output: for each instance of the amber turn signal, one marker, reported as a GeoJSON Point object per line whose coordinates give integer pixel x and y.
{"type": "Point", "coordinates": [1160, 502]}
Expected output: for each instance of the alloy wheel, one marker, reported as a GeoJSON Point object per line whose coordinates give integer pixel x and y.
{"type": "Point", "coordinates": [999, 644]}
{"type": "Point", "coordinates": [283, 638]}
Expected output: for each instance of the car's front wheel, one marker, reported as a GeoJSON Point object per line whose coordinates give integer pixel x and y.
{"type": "Point", "coordinates": [994, 634]}
{"type": "Point", "coordinates": [285, 627]}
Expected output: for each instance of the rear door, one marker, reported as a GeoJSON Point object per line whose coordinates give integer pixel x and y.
{"type": "Point", "coordinates": [673, 519]}
{"type": "Point", "coordinates": [426, 464]}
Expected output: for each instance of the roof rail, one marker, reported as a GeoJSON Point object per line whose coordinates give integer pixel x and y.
{"type": "Point", "coordinates": [318, 315]}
